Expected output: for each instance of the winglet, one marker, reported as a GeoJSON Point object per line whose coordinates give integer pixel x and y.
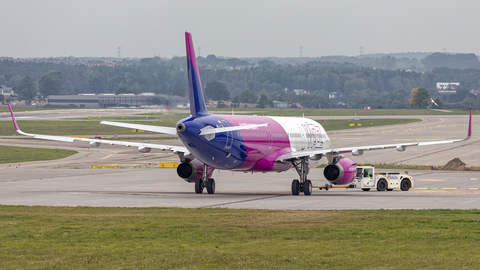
{"type": "Point", "coordinates": [13, 118]}
{"type": "Point", "coordinates": [197, 102]}
{"type": "Point", "coordinates": [470, 125]}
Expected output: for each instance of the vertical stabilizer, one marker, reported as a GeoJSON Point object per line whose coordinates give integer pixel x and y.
{"type": "Point", "coordinates": [197, 102]}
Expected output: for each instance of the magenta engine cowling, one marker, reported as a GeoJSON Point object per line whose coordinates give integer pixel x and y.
{"type": "Point", "coordinates": [341, 173]}
{"type": "Point", "coordinates": [191, 171]}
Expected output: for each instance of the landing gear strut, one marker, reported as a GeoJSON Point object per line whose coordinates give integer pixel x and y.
{"type": "Point", "coordinates": [205, 182]}
{"type": "Point", "coordinates": [303, 185]}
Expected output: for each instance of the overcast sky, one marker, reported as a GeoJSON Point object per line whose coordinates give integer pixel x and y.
{"type": "Point", "coordinates": [258, 28]}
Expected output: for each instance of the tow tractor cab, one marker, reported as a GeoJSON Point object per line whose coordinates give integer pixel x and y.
{"type": "Point", "coordinates": [367, 179]}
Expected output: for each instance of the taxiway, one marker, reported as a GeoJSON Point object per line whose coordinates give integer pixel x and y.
{"type": "Point", "coordinates": [140, 183]}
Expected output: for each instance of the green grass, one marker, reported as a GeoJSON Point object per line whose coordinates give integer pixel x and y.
{"type": "Point", "coordinates": [166, 119]}
{"type": "Point", "coordinates": [345, 124]}
{"type": "Point", "coordinates": [341, 112]}
{"type": "Point", "coordinates": [93, 127]}
{"type": "Point", "coordinates": [392, 166]}
{"type": "Point", "coordinates": [173, 238]}
{"type": "Point", "coordinates": [403, 166]}
{"type": "Point", "coordinates": [68, 127]}
{"type": "Point", "coordinates": [11, 154]}
{"type": "Point", "coordinates": [6, 110]}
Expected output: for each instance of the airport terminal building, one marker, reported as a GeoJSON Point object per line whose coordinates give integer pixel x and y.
{"type": "Point", "coordinates": [112, 100]}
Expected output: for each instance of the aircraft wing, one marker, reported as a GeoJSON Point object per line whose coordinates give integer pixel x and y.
{"type": "Point", "coordinates": [144, 147]}
{"type": "Point", "coordinates": [359, 150]}
{"type": "Point", "coordinates": [167, 130]}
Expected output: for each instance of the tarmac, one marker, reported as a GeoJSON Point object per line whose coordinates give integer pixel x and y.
{"type": "Point", "coordinates": [140, 183]}
{"type": "Point", "coordinates": [162, 188]}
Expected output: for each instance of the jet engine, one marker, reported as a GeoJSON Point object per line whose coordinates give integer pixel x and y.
{"type": "Point", "coordinates": [191, 171]}
{"type": "Point", "coordinates": [341, 173]}
{"type": "Point", "coordinates": [94, 144]}
{"type": "Point", "coordinates": [142, 149]}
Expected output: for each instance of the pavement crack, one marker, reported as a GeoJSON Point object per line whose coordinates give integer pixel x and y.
{"type": "Point", "coordinates": [242, 201]}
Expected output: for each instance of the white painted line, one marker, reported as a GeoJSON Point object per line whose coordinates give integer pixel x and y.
{"type": "Point", "coordinates": [109, 155]}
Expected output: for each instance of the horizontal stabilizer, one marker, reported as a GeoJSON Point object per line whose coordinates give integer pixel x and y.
{"type": "Point", "coordinates": [226, 129]}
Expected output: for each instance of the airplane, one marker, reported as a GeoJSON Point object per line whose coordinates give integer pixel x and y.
{"type": "Point", "coordinates": [243, 143]}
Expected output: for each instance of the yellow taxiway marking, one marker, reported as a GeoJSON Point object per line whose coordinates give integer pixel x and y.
{"type": "Point", "coordinates": [474, 179]}
{"type": "Point", "coordinates": [429, 191]}
{"type": "Point", "coordinates": [109, 155]}
{"type": "Point", "coordinates": [431, 180]}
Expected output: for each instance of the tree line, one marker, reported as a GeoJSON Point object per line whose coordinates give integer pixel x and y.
{"type": "Point", "coordinates": [354, 86]}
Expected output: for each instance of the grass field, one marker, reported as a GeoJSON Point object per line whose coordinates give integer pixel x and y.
{"type": "Point", "coordinates": [363, 123]}
{"type": "Point", "coordinates": [341, 112]}
{"type": "Point", "coordinates": [93, 127]}
{"type": "Point", "coordinates": [68, 128]}
{"type": "Point", "coordinates": [403, 166]}
{"type": "Point", "coordinates": [173, 238]}
{"type": "Point", "coordinates": [12, 154]}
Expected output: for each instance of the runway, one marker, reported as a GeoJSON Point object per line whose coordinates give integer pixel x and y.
{"type": "Point", "coordinates": [162, 188]}
{"type": "Point", "coordinates": [140, 183]}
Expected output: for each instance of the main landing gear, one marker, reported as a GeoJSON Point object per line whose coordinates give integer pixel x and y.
{"type": "Point", "coordinates": [205, 182]}
{"type": "Point", "coordinates": [303, 185]}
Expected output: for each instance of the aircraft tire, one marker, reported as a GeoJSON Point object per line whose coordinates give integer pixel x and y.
{"type": "Point", "coordinates": [199, 186]}
{"type": "Point", "coordinates": [307, 187]}
{"type": "Point", "coordinates": [210, 186]}
{"type": "Point", "coordinates": [295, 187]}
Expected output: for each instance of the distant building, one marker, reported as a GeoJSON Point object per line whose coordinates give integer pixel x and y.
{"type": "Point", "coordinates": [280, 104]}
{"type": "Point", "coordinates": [219, 104]}
{"type": "Point", "coordinates": [301, 92]}
{"type": "Point", "coordinates": [447, 87]}
{"type": "Point", "coordinates": [6, 91]}
{"type": "Point", "coordinates": [332, 95]}
{"type": "Point", "coordinates": [112, 100]}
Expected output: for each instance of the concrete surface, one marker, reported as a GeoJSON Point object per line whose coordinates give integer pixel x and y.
{"type": "Point", "coordinates": [70, 181]}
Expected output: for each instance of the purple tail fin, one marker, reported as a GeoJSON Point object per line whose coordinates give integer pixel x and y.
{"type": "Point", "coordinates": [197, 102]}
{"type": "Point", "coordinates": [13, 118]}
